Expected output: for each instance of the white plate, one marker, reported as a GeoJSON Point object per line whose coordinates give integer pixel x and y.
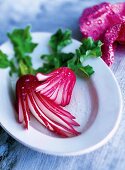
{"type": "Point", "coordinates": [96, 103]}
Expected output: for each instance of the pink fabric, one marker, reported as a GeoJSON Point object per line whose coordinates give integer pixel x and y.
{"type": "Point", "coordinates": [105, 22]}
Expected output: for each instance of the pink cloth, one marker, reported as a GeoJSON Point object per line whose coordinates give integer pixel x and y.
{"type": "Point", "coordinates": [105, 22]}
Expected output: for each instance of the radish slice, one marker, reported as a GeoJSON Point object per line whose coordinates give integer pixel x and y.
{"type": "Point", "coordinates": [23, 109]}
{"type": "Point", "coordinates": [58, 85]}
{"type": "Point", "coordinates": [57, 109]}
{"type": "Point", "coordinates": [53, 120]}
{"type": "Point", "coordinates": [55, 112]}
{"type": "Point", "coordinates": [20, 111]}
{"type": "Point", "coordinates": [46, 111]}
{"type": "Point", "coordinates": [42, 77]}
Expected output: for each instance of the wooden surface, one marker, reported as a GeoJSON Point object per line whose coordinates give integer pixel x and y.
{"type": "Point", "coordinates": [48, 15]}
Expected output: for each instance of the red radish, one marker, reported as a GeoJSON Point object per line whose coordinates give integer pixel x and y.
{"type": "Point", "coordinates": [45, 110]}
{"type": "Point", "coordinates": [57, 85]}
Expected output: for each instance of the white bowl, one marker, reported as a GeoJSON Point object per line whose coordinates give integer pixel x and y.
{"type": "Point", "coordinates": [96, 103]}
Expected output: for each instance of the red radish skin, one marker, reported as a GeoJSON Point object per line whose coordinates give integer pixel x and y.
{"type": "Point", "coordinates": [58, 85]}
{"type": "Point", "coordinates": [46, 111]}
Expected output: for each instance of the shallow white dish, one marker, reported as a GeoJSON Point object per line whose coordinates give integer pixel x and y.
{"type": "Point", "coordinates": [96, 103]}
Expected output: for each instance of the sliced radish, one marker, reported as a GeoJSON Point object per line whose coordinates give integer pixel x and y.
{"type": "Point", "coordinates": [46, 111]}
{"type": "Point", "coordinates": [58, 85]}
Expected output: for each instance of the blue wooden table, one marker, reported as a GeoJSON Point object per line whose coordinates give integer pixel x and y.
{"type": "Point", "coordinates": [46, 15]}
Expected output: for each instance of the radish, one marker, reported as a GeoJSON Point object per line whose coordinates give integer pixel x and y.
{"type": "Point", "coordinates": [46, 111]}
{"type": "Point", "coordinates": [57, 85]}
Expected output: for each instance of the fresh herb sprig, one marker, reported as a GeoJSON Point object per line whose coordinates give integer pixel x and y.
{"type": "Point", "coordinates": [57, 58]}
{"type": "Point", "coordinates": [21, 63]}
{"type": "Point", "coordinates": [23, 46]}
{"type": "Point", "coordinates": [4, 62]}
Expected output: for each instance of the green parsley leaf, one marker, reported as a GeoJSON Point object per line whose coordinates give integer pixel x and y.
{"type": "Point", "coordinates": [77, 67]}
{"type": "Point", "coordinates": [73, 64]}
{"type": "Point", "coordinates": [28, 61]}
{"type": "Point", "coordinates": [21, 63]}
{"type": "Point", "coordinates": [87, 70]}
{"type": "Point", "coordinates": [22, 41]}
{"type": "Point", "coordinates": [4, 62]}
{"type": "Point", "coordinates": [13, 68]}
{"type": "Point", "coordinates": [59, 40]}
{"type": "Point", "coordinates": [53, 61]}
{"type": "Point", "coordinates": [89, 49]}
{"type": "Point", "coordinates": [46, 68]}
